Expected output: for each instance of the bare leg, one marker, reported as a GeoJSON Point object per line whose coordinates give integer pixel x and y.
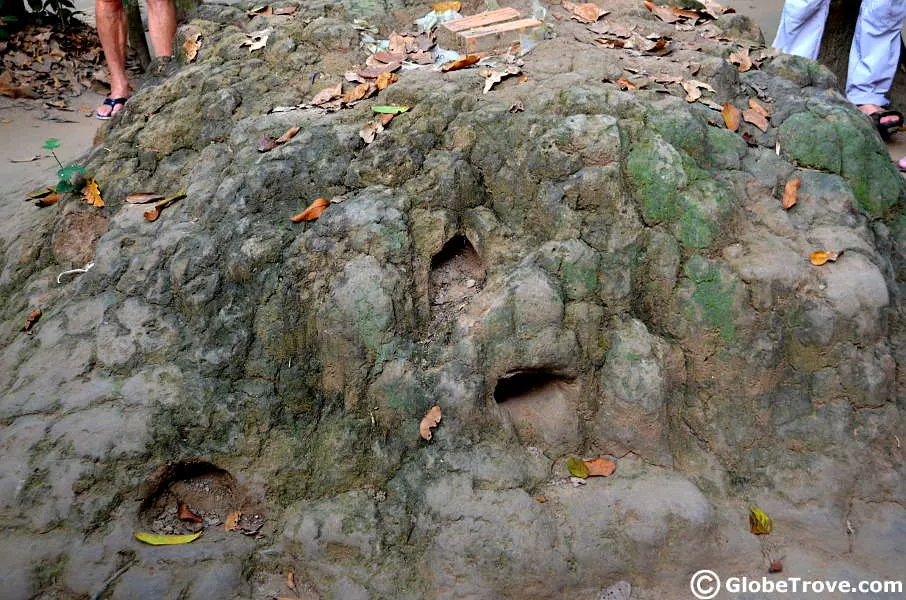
{"type": "Point", "coordinates": [162, 26]}
{"type": "Point", "coordinates": [111, 23]}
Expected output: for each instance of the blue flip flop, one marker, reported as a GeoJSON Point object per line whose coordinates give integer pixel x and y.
{"type": "Point", "coordinates": [111, 102]}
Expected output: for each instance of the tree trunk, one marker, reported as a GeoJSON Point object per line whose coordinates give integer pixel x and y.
{"type": "Point", "coordinates": [838, 37]}
{"type": "Point", "coordinates": [137, 40]}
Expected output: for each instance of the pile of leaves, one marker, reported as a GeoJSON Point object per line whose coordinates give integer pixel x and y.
{"type": "Point", "coordinates": [41, 61]}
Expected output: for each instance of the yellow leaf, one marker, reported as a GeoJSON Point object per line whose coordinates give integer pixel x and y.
{"type": "Point", "coordinates": [821, 257]}
{"type": "Point", "coordinates": [385, 79]}
{"type": "Point", "coordinates": [156, 539]}
{"type": "Point", "coordinates": [760, 523]}
{"type": "Point", "coordinates": [92, 194]}
{"type": "Point", "coordinates": [445, 6]}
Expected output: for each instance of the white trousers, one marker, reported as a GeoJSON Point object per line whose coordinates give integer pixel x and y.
{"type": "Point", "coordinates": [875, 51]}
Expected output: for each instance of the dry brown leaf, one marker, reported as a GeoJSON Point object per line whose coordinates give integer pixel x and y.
{"type": "Point", "coordinates": [312, 212]}
{"type": "Point", "coordinates": [384, 80]}
{"type": "Point", "coordinates": [288, 135]}
{"type": "Point", "coordinates": [256, 41]}
{"type": "Point", "coordinates": [353, 77]}
{"type": "Point", "coordinates": [143, 198]}
{"type": "Point", "coordinates": [92, 194]}
{"type": "Point", "coordinates": [759, 107]}
{"type": "Point", "coordinates": [328, 94]}
{"type": "Point", "coordinates": [567, 5]}
{"type": "Point", "coordinates": [402, 44]}
{"type": "Point", "coordinates": [465, 61]}
{"type": "Point", "coordinates": [694, 89]}
{"type": "Point", "coordinates": [742, 59]}
{"type": "Point", "coordinates": [821, 257]}
{"type": "Point", "coordinates": [588, 13]}
{"type": "Point", "coordinates": [610, 42]}
{"type": "Point", "coordinates": [370, 130]}
{"type": "Point", "coordinates": [600, 467]}
{"type": "Point", "coordinates": [266, 143]}
{"type": "Point", "coordinates": [539, 499]}
{"type": "Point", "coordinates": [672, 14]}
{"type": "Point", "coordinates": [626, 85]}
{"type": "Point", "coordinates": [431, 419]}
{"type": "Point", "coordinates": [517, 106]}
{"type": "Point", "coordinates": [31, 319]}
{"type": "Point", "coordinates": [291, 581]}
{"type": "Point", "coordinates": [385, 118]}
{"type": "Point", "coordinates": [259, 10]}
{"type": "Point", "coordinates": [232, 520]}
{"type": "Point", "coordinates": [285, 10]}
{"type": "Point", "coordinates": [184, 513]}
{"type": "Point", "coordinates": [776, 566]}
{"type": "Point", "coordinates": [191, 46]}
{"type": "Point", "coordinates": [755, 118]}
{"type": "Point", "coordinates": [732, 116]}
{"type": "Point", "coordinates": [791, 193]}
{"type": "Point", "coordinates": [385, 58]}
{"type": "Point", "coordinates": [374, 72]}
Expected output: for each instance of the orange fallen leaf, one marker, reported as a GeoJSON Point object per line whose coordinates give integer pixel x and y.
{"type": "Point", "coordinates": [384, 80]}
{"type": "Point", "coordinates": [92, 194]}
{"type": "Point", "coordinates": [441, 7]}
{"type": "Point", "coordinates": [328, 94]}
{"type": "Point", "coordinates": [791, 193]}
{"type": "Point", "coordinates": [821, 257]}
{"type": "Point", "coordinates": [312, 212]}
{"type": "Point", "coordinates": [732, 116]}
{"type": "Point", "coordinates": [152, 215]}
{"type": "Point", "coordinates": [286, 10]}
{"type": "Point", "coordinates": [539, 499]}
{"type": "Point", "coordinates": [184, 513]}
{"type": "Point", "coordinates": [465, 61]}
{"type": "Point", "coordinates": [755, 118]}
{"type": "Point", "coordinates": [626, 85]}
{"type": "Point", "coordinates": [600, 467]}
{"type": "Point", "coordinates": [759, 107]}
{"type": "Point", "coordinates": [266, 143]}
{"type": "Point", "coordinates": [776, 565]}
{"type": "Point", "coordinates": [143, 197]}
{"type": "Point", "coordinates": [291, 581]}
{"type": "Point", "coordinates": [48, 200]}
{"type": "Point", "coordinates": [385, 118]}
{"type": "Point", "coordinates": [232, 520]}
{"type": "Point", "coordinates": [431, 419]}
{"type": "Point", "coordinates": [359, 92]}
{"type": "Point", "coordinates": [588, 13]}
{"type": "Point", "coordinates": [32, 319]}
{"type": "Point", "coordinates": [191, 46]}
{"type": "Point", "coordinates": [288, 135]}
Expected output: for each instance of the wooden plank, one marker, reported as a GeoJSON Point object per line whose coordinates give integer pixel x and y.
{"type": "Point", "coordinates": [481, 19]}
{"type": "Point", "coordinates": [496, 37]}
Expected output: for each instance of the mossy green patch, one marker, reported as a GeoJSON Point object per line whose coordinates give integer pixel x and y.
{"type": "Point", "coordinates": [714, 295]}
{"type": "Point", "coordinates": [655, 172]}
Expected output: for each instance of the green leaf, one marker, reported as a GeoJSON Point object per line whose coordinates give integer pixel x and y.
{"type": "Point", "coordinates": [51, 144]}
{"type": "Point", "coordinates": [10, 19]}
{"type": "Point", "coordinates": [577, 467]}
{"type": "Point", "coordinates": [156, 539]}
{"type": "Point", "coordinates": [67, 172]}
{"type": "Point", "coordinates": [64, 186]}
{"type": "Point", "coordinates": [390, 110]}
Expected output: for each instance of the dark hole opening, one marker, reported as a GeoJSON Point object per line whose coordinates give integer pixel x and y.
{"type": "Point", "coordinates": [523, 383]}
{"type": "Point", "coordinates": [456, 246]}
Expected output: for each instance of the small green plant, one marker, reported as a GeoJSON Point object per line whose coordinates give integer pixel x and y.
{"type": "Point", "coordinates": [63, 10]}
{"type": "Point", "coordinates": [64, 174]}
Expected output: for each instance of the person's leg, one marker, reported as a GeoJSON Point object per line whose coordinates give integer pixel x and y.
{"type": "Point", "coordinates": [875, 53]}
{"type": "Point", "coordinates": [111, 24]}
{"type": "Point", "coordinates": [801, 27]}
{"type": "Point", "coordinates": [162, 26]}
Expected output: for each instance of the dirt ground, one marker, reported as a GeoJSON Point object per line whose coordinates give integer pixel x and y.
{"type": "Point", "coordinates": [25, 124]}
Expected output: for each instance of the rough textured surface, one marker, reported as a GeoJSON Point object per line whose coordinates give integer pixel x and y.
{"type": "Point", "coordinates": [641, 295]}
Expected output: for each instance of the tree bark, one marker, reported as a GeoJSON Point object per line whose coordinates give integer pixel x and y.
{"type": "Point", "coordinates": [137, 40]}
{"type": "Point", "coordinates": [838, 37]}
